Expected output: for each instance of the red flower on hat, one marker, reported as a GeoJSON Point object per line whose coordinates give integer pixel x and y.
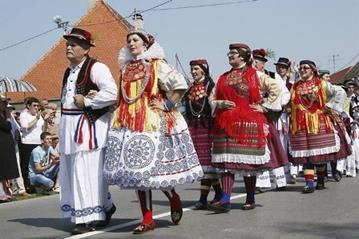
{"type": "Point", "coordinates": [260, 52]}
{"type": "Point", "coordinates": [87, 34]}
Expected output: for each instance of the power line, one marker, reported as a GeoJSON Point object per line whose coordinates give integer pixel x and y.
{"type": "Point", "coordinates": [205, 5]}
{"type": "Point", "coordinates": [140, 11]}
{"type": "Point", "coordinates": [154, 8]}
{"type": "Point", "coordinates": [350, 61]}
{"type": "Point", "coordinates": [28, 39]}
{"type": "Point", "coordinates": [48, 31]}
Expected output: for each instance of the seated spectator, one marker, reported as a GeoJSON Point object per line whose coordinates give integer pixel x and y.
{"type": "Point", "coordinates": [44, 164]}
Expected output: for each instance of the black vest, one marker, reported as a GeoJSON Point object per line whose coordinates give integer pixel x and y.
{"type": "Point", "coordinates": [83, 86]}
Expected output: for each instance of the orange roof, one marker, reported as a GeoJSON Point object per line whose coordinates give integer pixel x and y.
{"type": "Point", "coordinates": [337, 77]}
{"type": "Point", "coordinates": [109, 30]}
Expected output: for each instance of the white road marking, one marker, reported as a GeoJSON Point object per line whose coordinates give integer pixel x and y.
{"type": "Point", "coordinates": [135, 222]}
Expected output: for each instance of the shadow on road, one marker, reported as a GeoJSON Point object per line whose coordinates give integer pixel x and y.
{"type": "Point", "coordinates": [327, 230]}
{"type": "Point", "coordinates": [61, 224]}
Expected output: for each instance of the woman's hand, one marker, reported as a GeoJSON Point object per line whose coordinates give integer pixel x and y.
{"type": "Point", "coordinates": [157, 104]}
{"type": "Point", "coordinates": [226, 104]}
{"type": "Point", "coordinates": [257, 108]}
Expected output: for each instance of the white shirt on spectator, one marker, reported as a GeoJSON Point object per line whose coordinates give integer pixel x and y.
{"type": "Point", "coordinates": [30, 135]}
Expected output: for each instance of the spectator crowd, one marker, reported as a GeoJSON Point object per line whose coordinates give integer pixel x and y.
{"type": "Point", "coordinates": [29, 153]}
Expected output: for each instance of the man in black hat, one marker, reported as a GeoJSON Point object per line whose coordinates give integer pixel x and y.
{"type": "Point", "coordinates": [88, 91]}
{"type": "Point", "coordinates": [283, 69]}
{"type": "Point", "coordinates": [283, 66]}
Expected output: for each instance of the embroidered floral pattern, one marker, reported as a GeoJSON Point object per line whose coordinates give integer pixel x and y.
{"type": "Point", "coordinates": [139, 152]}
{"type": "Point", "coordinates": [161, 161]}
{"type": "Point", "coordinates": [82, 212]}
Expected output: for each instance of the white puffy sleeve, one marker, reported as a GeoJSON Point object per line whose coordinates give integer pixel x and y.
{"type": "Point", "coordinates": [336, 96]}
{"type": "Point", "coordinates": [169, 78]}
{"type": "Point", "coordinates": [272, 90]}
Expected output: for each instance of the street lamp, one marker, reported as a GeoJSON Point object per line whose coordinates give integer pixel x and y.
{"type": "Point", "coordinates": [60, 24]}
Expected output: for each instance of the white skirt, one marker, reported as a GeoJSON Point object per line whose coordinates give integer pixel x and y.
{"type": "Point", "coordinates": [141, 160]}
{"type": "Point", "coordinates": [84, 195]}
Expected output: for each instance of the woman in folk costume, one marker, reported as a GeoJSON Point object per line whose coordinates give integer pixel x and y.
{"type": "Point", "coordinates": [149, 143]}
{"type": "Point", "coordinates": [315, 138]}
{"type": "Point", "coordinates": [200, 123]}
{"type": "Point", "coordinates": [243, 141]}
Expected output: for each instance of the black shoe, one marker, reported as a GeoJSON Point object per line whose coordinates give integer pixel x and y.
{"type": "Point", "coordinates": [337, 177]}
{"type": "Point", "coordinates": [281, 189]}
{"type": "Point", "coordinates": [307, 189]}
{"type": "Point", "coordinates": [320, 186]}
{"type": "Point", "coordinates": [82, 228]}
{"type": "Point", "coordinates": [104, 223]}
{"type": "Point", "coordinates": [200, 206]}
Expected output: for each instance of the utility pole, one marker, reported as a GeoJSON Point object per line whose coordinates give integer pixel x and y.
{"type": "Point", "coordinates": [334, 57]}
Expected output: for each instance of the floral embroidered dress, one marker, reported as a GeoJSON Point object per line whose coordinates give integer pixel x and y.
{"type": "Point", "coordinates": [243, 137]}
{"type": "Point", "coordinates": [149, 148]}
{"type": "Point", "coordinates": [316, 133]}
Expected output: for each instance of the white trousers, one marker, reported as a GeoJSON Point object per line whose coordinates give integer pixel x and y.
{"type": "Point", "coordinates": [84, 195]}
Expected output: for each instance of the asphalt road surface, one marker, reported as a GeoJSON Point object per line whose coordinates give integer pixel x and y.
{"type": "Point", "coordinates": [325, 214]}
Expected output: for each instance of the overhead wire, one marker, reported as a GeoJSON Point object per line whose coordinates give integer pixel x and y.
{"type": "Point", "coordinates": [48, 31]}
{"type": "Point", "coordinates": [27, 39]}
{"type": "Point", "coordinates": [205, 5]}
{"type": "Point", "coordinates": [154, 8]}
{"type": "Point", "coordinates": [350, 61]}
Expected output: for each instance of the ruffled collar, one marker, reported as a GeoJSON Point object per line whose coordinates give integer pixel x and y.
{"type": "Point", "coordinates": [154, 52]}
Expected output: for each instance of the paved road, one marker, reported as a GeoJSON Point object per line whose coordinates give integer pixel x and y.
{"type": "Point", "coordinates": [326, 214]}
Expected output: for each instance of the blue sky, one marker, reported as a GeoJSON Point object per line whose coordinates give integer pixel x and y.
{"type": "Point", "coordinates": [297, 29]}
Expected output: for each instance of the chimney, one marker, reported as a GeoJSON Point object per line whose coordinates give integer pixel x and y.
{"type": "Point", "coordinates": [137, 20]}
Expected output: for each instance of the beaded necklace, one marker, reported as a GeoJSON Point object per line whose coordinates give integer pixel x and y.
{"type": "Point", "coordinates": [197, 94]}
{"type": "Point", "coordinates": [134, 71]}
{"type": "Point", "coordinates": [310, 90]}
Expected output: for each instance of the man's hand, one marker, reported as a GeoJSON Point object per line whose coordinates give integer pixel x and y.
{"type": "Point", "coordinates": [91, 95]}
{"type": "Point", "coordinates": [54, 159]}
{"type": "Point", "coordinates": [79, 101]}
